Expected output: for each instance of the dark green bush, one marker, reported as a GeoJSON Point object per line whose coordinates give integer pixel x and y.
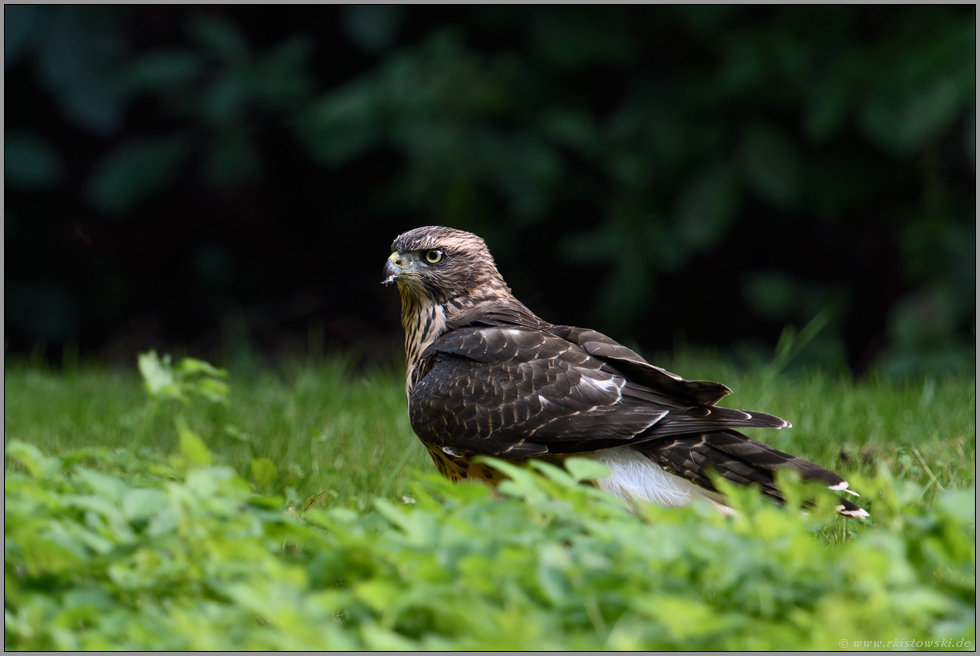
{"type": "Point", "coordinates": [675, 174]}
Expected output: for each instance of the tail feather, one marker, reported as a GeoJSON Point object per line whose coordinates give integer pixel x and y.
{"type": "Point", "coordinates": [740, 460]}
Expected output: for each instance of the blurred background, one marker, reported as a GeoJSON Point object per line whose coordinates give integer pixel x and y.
{"type": "Point", "coordinates": [779, 184]}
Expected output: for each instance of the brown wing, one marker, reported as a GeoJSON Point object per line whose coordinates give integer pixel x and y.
{"type": "Point", "coordinates": [634, 367]}
{"type": "Point", "coordinates": [515, 392]}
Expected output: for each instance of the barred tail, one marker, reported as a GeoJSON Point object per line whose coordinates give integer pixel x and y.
{"type": "Point", "coordinates": [740, 460]}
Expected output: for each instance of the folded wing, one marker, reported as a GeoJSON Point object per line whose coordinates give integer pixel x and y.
{"type": "Point", "coordinates": [514, 392]}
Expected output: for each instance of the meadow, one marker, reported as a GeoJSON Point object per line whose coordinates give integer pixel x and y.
{"type": "Point", "coordinates": [293, 508]}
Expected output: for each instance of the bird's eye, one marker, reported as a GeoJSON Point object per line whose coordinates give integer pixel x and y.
{"type": "Point", "coordinates": [434, 256]}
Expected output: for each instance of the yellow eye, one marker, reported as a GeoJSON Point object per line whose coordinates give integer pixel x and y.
{"type": "Point", "coordinates": [433, 256]}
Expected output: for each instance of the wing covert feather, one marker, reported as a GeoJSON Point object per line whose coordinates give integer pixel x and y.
{"type": "Point", "coordinates": [505, 391]}
{"type": "Point", "coordinates": [514, 391]}
{"type": "Point", "coordinates": [692, 392]}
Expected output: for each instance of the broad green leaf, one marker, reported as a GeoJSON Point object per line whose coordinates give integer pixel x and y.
{"type": "Point", "coordinates": [378, 594]}
{"type": "Point", "coordinates": [192, 366]}
{"type": "Point", "coordinates": [215, 391]}
{"type": "Point", "coordinates": [553, 562]}
{"type": "Point", "coordinates": [36, 463]}
{"type": "Point", "coordinates": [283, 78]}
{"type": "Point", "coordinates": [164, 69]}
{"type": "Point", "coordinates": [158, 376]}
{"type": "Point", "coordinates": [553, 473]}
{"type": "Point", "coordinates": [42, 556]}
{"type": "Point", "coordinates": [707, 206]}
{"type": "Point", "coordinates": [586, 469]}
{"type": "Point", "coordinates": [378, 638]}
{"type": "Point", "coordinates": [141, 504]}
{"type": "Point", "coordinates": [134, 171]}
{"type": "Point", "coordinates": [571, 127]}
{"type": "Point", "coordinates": [825, 113]}
{"type": "Point", "coordinates": [110, 487]}
{"type": "Point", "coordinates": [192, 446]}
{"type": "Point", "coordinates": [342, 124]}
{"type": "Point", "coordinates": [961, 504]}
{"type": "Point", "coordinates": [77, 59]}
{"type": "Point", "coordinates": [904, 125]}
{"type": "Point", "coordinates": [221, 36]}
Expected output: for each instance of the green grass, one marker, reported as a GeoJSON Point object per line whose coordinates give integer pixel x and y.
{"type": "Point", "coordinates": [327, 427]}
{"type": "Point", "coordinates": [302, 513]}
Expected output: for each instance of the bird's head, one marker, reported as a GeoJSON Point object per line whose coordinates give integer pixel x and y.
{"type": "Point", "coordinates": [440, 264]}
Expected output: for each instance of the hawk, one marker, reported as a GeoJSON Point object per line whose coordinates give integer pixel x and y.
{"type": "Point", "coordinates": [486, 376]}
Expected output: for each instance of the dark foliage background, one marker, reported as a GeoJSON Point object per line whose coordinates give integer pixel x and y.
{"type": "Point", "coordinates": [228, 179]}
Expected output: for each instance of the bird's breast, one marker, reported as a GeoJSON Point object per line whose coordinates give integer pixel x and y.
{"type": "Point", "coordinates": [423, 323]}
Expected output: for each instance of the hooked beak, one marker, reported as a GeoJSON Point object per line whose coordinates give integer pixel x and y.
{"type": "Point", "coordinates": [393, 268]}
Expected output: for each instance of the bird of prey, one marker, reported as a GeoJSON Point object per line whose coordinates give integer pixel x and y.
{"type": "Point", "coordinates": [486, 376]}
